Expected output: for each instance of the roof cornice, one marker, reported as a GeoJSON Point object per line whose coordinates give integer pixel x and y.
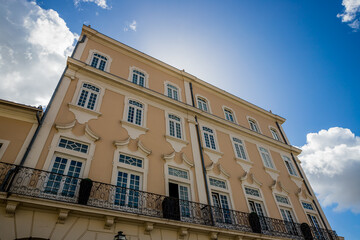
{"type": "Point", "coordinates": [92, 33]}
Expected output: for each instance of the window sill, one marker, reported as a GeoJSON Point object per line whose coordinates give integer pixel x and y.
{"type": "Point", "coordinates": [180, 140]}
{"type": "Point", "coordinates": [272, 170]}
{"type": "Point", "coordinates": [210, 150]}
{"type": "Point", "coordinates": [245, 164]}
{"type": "Point", "coordinates": [240, 160]}
{"type": "Point", "coordinates": [134, 126]}
{"type": "Point", "coordinates": [82, 114]}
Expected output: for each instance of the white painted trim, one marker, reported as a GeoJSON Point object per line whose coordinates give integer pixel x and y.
{"type": "Point", "coordinates": [227, 191]}
{"type": "Point", "coordinates": [254, 198]}
{"type": "Point", "coordinates": [232, 112]}
{"type": "Point", "coordinates": [188, 93]}
{"type": "Point", "coordinates": [5, 144]}
{"type": "Point", "coordinates": [271, 158]}
{"type": "Point", "coordinates": [175, 85]}
{"type": "Point", "coordinates": [256, 122]}
{"type": "Point", "coordinates": [204, 98]}
{"type": "Point", "coordinates": [146, 79]}
{"type": "Point", "coordinates": [197, 163]}
{"type": "Point", "coordinates": [169, 178]}
{"type": "Point", "coordinates": [55, 149]}
{"type": "Point", "coordinates": [272, 128]}
{"type": "Point", "coordinates": [123, 149]}
{"type": "Point", "coordinates": [47, 125]}
{"type": "Point", "coordinates": [90, 57]}
{"type": "Point", "coordinates": [80, 48]}
{"type": "Point", "coordinates": [134, 130]}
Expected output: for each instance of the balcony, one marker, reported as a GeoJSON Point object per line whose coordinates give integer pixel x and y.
{"type": "Point", "coordinates": [43, 184]}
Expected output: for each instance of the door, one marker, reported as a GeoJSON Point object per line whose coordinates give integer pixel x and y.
{"type": "Point", "coordinates": [257, 207]}
{"type": "Point", "coordinates": [64, 177]}
{"type": "Point", "coordinates": [181, 192]}
{"type": "Point", "coordinates": [221, 208]}
{"type": "Point", "coordinates": [127, 191]}
{"type": "Point", "coordinates": [289, 221]}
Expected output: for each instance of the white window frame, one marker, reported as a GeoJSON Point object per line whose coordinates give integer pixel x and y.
{"type": "Point", "coordinates": [204, 99]}
{"type": "Point", "coordinates": [67, 134]}
{"type": "Point", "coordinates": [141, 182]}
{"type": "Point", "coordinates": [90, 91]}
{"type": "Point", "coordinates": [69, 158]}
{"type": "Point", "coordinates": [289, 165]}
{"type": "Point", "coordinates": [146, 76]}
{"type": "Point", "coordinates": [136, 108]}
{"type": "Point", "coordinates": [178, 89]}
{"type": "Point", "coordinates": [253, 198]}
{"type": "Point", "coordinates": [180, 122]}
{"type": "Point", "coordinates": [243, 146]}
{"type": "Point", "coordinates": [255, 122]}
{"type": "Point", "coordinates": [221, 191]}
{"type": "Point", "coordinates": [213, 134]}
{"type": "Point", "coordinates": [275, 134]}
{"type": "Point", "coordinates": [232, 113]}
{"type": "Point", "coordinates": [91, 56]}
{"type": "Point", "coordinates": [270, 165]}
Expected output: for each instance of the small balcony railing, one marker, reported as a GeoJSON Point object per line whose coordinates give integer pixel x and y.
{"type": "Point", "coordinates": [43, 184]}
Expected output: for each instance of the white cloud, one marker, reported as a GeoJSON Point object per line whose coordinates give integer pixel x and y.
{"type": "Point", "coordinates": [34, 45]}
{"type": "Point", "coordinates": [331, 160]}
{"type": "Point", "coordinates": [130, 26]}
{"type": "Point", "coordinates": [100, 3]}
{"type": "Point", "coordinates": [351, 13]}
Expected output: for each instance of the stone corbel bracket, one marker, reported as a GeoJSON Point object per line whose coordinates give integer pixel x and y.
{"type": "Point", "coordinates": [222, 170]}
{"type": "Point", "coordinates": [183, 232]}
{"type": "Point", "coordinates": [121, 143]}
{"type": "Point", "coordinates": [213, 235]}
{"type": "Point", "coordinates": [90, 134]}
{"type": "Point", "coordinates": [65, 127]}
{"type": "Point", "coordinates": [143, 148]}
{"type": "Point", "coordinates": [148, 226]}
{"type": "Point", "coordinates": [109, 222]}
{"type": "Point", "coordinates": [169, 157]}
{"type": "Point", "coordinates": [186, 160]}
{"type": "Point", "coordinates": [11, 208]}
{"type": "Point", "coordinates": [63, 214]}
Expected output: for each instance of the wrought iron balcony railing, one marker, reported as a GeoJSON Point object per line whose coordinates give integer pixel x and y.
{"type": "Point", "coordinates": [43, 184]}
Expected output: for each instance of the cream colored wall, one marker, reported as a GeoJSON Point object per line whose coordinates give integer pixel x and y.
{"type": "Point", "coordinates": [123, 60]}
{"type": "Point", "coordinates": [16, 132]}
{"type": "Point", "coordinates": [45, 223]}
{"type": "Point", "coordinates": [109, 128]}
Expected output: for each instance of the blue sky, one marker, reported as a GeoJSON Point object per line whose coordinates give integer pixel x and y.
{"type": "Point", "coordinates": [299, 59]}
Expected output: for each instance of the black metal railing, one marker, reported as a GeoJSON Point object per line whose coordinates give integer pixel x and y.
{"type": "Point", "coordinates": [43, 184]}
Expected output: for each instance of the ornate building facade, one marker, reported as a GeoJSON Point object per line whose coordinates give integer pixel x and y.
{"type": "Point", "coordinates": [164, 155]}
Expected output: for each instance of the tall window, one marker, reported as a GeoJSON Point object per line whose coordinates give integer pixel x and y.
{"type": "Point", "coordinates": [138, 78]}
{"type": "Point", "coordinates": [229, 115]}
{"type": "Point", "coordinates": [289, 166]}
{"type": "Point", "coordinates": [209, 138]}
{"type": "Point", "coordinates": [64, 176]}
{"type": "Point", "coordinates": [221, 207]}
{"type": "Point", "coordinates": [172, 92]}
{"type": "Point", "coordinates": [239, 148]}
{"type": "Point", "coordinates": [128, 183]}
{"type": "Point", "coordinates": [265, 155]}
{"type": "Point", "coordinates": [254, 126]}
{"type": "Point", "coordinates": [202, 104]}
{"type": "Point", "coordinates": [98, 61]}
{"type": "Point", "coordinates": [127, 192]}
{"type": "Point", "coordinates": [289, 220]}
{"type": "Point", "coordinates": [88, 96]}
{"type": "Point", "coordinates": [275, 134]}
{"type": "Point", "coordinates": [174, 126]}
{"type": "Point", "coordinates": [135, 112]}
